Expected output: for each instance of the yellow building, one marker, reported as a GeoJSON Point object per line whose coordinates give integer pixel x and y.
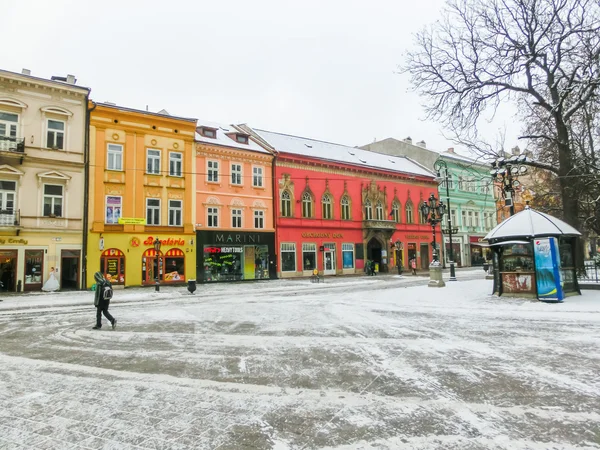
{"type": "Point", "coordinates": [141, 190]}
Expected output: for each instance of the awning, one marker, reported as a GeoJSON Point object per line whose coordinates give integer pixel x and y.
{"type": "Point", "coordinates": [509, 243]}
{"type": "Point", "coordinates": [480, 244]}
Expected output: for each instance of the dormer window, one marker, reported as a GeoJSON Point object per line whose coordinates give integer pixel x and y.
{"type": "Point", "coordinates": [208, 132]}
{"type": "Point", "coordinates": [241, 138]}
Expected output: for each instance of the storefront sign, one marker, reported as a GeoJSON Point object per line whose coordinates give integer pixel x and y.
{"type": "Point", "coordinates": [13, 241]}
{"type": "Point", "coordinates": [476, 239]}
{"type": "Point", "coordinates": [169, 241]}
{"type": "Point", "coordinates": [237, 238]}
{"type": "Point", "coordinates": [132, 221]}
{"type": "Point", "coordinates": [322, 235]}
{"type": "Point", "coordinates": [223, 249]}
{"type": "Point", "coordinates": [414, 236]}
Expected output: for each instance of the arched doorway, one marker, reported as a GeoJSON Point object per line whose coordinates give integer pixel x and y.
{"type": "Point", "coordinates": [152, 266]}
{"type": "Point", "coordinates": [374, 248]}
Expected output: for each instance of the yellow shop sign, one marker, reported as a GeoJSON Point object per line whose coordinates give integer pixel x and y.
{"type": "Point", "coordinates": [132, 221]}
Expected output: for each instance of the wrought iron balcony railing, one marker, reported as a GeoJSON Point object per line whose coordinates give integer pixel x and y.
{"type": "Point", "coordinates": [10, 217]}
{"type": "Point", "coordinates": [12, 144]}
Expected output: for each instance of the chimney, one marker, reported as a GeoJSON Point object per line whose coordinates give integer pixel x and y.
{"type": "Point", "coordinates": [450, 149]}
{"type": "Point", "coordinates": [71, 79]}
{"type": "Point", "coordinates": [26, 72]}
{"type": "Point", "coordinates": [408, 139]}
{"type": "Point", "coordinates": [516, 150]}
{"type": "Point", "coordinates": [422, 144]}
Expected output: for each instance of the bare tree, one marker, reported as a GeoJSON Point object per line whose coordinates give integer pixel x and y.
{"type": "Point", "coordinates": [542, 55]}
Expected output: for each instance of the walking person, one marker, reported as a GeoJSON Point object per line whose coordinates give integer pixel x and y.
{"type": "Point", "coordinates": [413, 265]}
{"type": "Point", "coordinates": [102, 297]}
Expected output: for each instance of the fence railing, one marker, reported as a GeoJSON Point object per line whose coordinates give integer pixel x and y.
{"type": "Point", "coordinates": [10, 217]}
{"type": "Point", "coordinates": [590, 274]}
{"type": "Point", "coordinates": [12, 144]}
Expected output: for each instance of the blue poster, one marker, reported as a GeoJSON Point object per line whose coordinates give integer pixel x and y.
{"type": "Point", "coordinates": [547, 269]}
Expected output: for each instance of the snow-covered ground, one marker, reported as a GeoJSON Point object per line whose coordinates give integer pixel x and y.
{"type": "Point", "coordinates": [379, 362]}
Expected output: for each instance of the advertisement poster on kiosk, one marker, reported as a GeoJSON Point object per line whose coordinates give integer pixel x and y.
{"type": "Point", "coordinates": [547, 269]}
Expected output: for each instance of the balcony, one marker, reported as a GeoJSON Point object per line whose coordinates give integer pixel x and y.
{"type": "Point", "coordinates": [379, 224]}
{"type": "Point", "coordinates": [12, 144]}
{"type": "Point", "coordinates": [10, 218]}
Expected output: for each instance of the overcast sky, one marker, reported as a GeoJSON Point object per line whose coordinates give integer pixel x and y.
{"type": "Point", "coordinates": [324, 69]}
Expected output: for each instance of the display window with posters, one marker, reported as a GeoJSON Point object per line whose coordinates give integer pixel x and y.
{"type": "Point", "coordinates": [174, 265]}
{"type": "Point", "coordinates": [112, 264]}
{"type": "Point", "coordinates": [113, 209]}
{"type": "Point", "coordinates": [235, 262]}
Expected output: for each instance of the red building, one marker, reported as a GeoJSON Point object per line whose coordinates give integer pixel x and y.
{"type": "Point", "coordinates": [337, 207]}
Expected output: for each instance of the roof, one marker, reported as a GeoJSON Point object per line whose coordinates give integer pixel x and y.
{"type": "Point", "coordinates": [223, 139]}
{"type": "Point", "coordinates": [530, 223]}
{"type": "Point", "coordinates": [465, 159]}
{"type": "Point", "coordinates": [63, 84]}
{"type": "Point", "coordinates": [159, 114]}
{"type": "Point", "coordinates": [341, 153]}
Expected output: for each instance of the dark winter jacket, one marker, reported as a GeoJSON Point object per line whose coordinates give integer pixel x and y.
{"type": "Point", "coordinates": [101, 283]}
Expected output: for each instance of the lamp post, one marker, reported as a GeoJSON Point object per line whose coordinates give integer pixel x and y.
{"type": "Point", "coordinates": [157, 245]}
{"type": "Point", "coordinates": [433, 211]}
{"type": "Point", "coordinates": [398, 248]}
{"type": "Point", "coordinates": [506, 171]}
{"type": "Point", "coordinates": [438, 165]}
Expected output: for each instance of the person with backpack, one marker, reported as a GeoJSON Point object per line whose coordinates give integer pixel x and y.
{"type": "Point", "coordinates": [102, 296]}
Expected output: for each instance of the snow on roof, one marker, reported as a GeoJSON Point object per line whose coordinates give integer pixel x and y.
{"type": "Point", "coordinates": [465, 159]}
{"type": "Point", "coordinates": [530, 223]}
{"type": "Point", "coordinates": [222, 138]}
{"type": "Point", "coordinates": [337, 152]}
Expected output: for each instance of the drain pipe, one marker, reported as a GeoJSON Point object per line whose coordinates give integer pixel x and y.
{"type": "Point", "coordinates": [86, 190]}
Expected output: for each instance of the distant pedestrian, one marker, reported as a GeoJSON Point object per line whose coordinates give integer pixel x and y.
{"type": "Point", "coordinates": [102, 296]}
{"type": "Point", "coordinates": [413, 265]}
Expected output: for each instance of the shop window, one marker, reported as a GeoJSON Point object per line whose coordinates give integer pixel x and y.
{"type": "Point", "coordinates": [175, 210]}
{"type": "Point", "coordinates": [259, 219]}
{"type": "Point", "coordinates": [175, 164]}
{"type": "Point", "coordinates": [286, 204]}
{"type": "Point", "coordinates": [236, 174]}
{"type": "Point", "coordinates": [326, 204]}
{"type": "Point", "coordinates": [309, 256]}
{"type": "Point", "coordinates": [345, 206]}
{"type": "Point", "coordinates": [368, 210]}
{"type": "Point", "coordinates": [348, 255]}
{"type": "Point", "coordinates": [153, 161]}
{"type": "Point", "coordinates": [307, 205]}
{"type": "Point", "coordinates": [8, 265]}
{"type": "Point", "coordinates": [236, 218]}
{"type": "Point", "coordinates": [53, 200]}
{"type": "Point", "coordinates": [288, 257]}
{"type": "Point", "coordinates": [34, 269]}
{"type": "Point", "coordinates": [379, 211]}
{"type": "Point", "coordinates": [152, 211]}
{"type": "Point", "coordinates": [112, 265]}
{"type": "Point", "coordinates": [223, 263]}
{"type": "Point", "coordinates": [114, 155]}
{"type": "Point", "coordinates": [113, 209]}
{"type": "Point", "coordinates": [174, 265]}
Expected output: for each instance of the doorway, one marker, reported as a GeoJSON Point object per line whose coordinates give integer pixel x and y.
{"type": "Point", "coordinates": [329, 259]}
{"type": "Point", "coordinates": [424, 256]}
{"type": "Point", "coordinates": [374, 252]}
{"type": "Point", "coordinates": [34, 269]}
{"type": "Point", "coordinates": [69, 269]}
{"type": "Point", "coordinates": [152, 266]}
{"type": "Point", "coordinates": [8, 263]}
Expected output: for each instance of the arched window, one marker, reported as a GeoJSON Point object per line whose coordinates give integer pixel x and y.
{"type": "Point", "coordinates": [112, 265]}
{"type": "Point", "coordinates": [152, 266]}
{"type": "Point", "coordinates": [396, 212]}
{"type": "Point", "coordinates": [327, 209]}
{"type": "Point", "coordinates": [345, 204]}
{"type": "Point", "coordinates": [307, 205]}
{"type": "Point", "coordinates": [286, 204]}
{"type": "Point", "coordinates": [368, 210]}
{"type": "Point", "coordinates": [379, 211]}
{"type": "Point", "coordinates": [174, 265]}
{"type": "Point", "coordinates": [409, 213]}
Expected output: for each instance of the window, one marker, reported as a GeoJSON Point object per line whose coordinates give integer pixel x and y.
{"type": "Point", "coordinates": [236, 174]}
{"type": "Point", "coordinates": [7, 202]}
{"type": "Point", "coordinates": [212, 217]}
{"type": "Point", "coordinates": [368, 210]}
{"type": "Point", "coordinates": [175, 213]}
{"type": "Point", "coordinates": [8, 124]}
{"type": "Point", "coordinates": [326, 203]}
{"type": "Point", "coordinates": [487, 186]}
{"type": "Point", "coordinates": [409, 213]}
{"type": "Point", "coordinates": [379, 211]}
{"type": "Point", "coordinates": [257, 177]}
{"type": "Point", "coordinates": [153, 161]}
{"type": "Point", "coordinates": [175, 164]}
{"type": "Point", "coordinates": [476, 219]}
{"type": "Point", "coordinates": [53, 200]}
{"type": "Point", "coordinates": [422, 218]}
{"type": "Point", "coordinates": [461, 183]}
{"type": "Point", "coordinates": [286, 204]}
{"type": "Point", "coordinates": [259, 219]}
{"type": "Point", "coordinates": [56, 134]}
{"type": "Point", "coordinates": [208, 132]}
{"type": "Point", "coordinates": [348, 256]}
{"type": "Point", "coordinates": [470, 219]}
{"type": "Point", "coordinates": [288, 257]}
{"type": "Point", "coordinates": [213, 172]}
{"type": "Point", "coordinates": [309, 256]}
{"type": "Point", "coordinates": [114, 157]}
{"type": "Point", "coordinates": [152, 211]}
{"type": "Point", "coordinates": [241, 138]}
{"type": "Point", "coordinates": [114, 207]}
{"type": "Point", "coordinates": [236, 218]}
{"type": "Point", "coordinates": [307, 206]}
{"type": "Point", "coordinates": [396, 212]}
{"type": "Point", "coordinates": [453, 218]}
{"type": "Point", "coordinates": [450, 181]}
{"type": "Point", "coordinates": [345, 203]}
{"type": "Point", "coordinates": [464, 218]}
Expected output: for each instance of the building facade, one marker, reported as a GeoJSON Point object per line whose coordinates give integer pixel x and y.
{"type": "Point", "coordinates": [42, 153]}
{"type": "Point", "coordinates": [471, 197]}
{"type": "Point", "coordinates": [235, 231]}
{"type": "Point", "coordinates": [141, 188]}
{"type": "Point", "coordinates": [337, 207]}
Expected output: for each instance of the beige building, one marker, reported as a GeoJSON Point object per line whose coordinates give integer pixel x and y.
{"type": "Point", "coordinates": [42, 159]}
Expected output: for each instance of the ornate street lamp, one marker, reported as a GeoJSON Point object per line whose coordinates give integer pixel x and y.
{"type": "Point", "coordinates": [506, 171]}
{"type": "Point", "coordinates": [433, 211]}
{"type": "Point", "coordinates": [438, 166]}
{"type": "Point", "coordinates": [398, 247]}
{"type": "Point", "coordinates": [157, 245]}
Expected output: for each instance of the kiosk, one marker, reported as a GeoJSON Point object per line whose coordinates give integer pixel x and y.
{"type": "Point", "coordinates": [533, 256]}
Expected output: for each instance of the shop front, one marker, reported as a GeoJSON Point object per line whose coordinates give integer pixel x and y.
{"type": "Point", "coordinates": [235, 256]}
{"type": "Point", "coordinates": [479, 251]}
{"type": "Point", "coordinates": [134, 260]}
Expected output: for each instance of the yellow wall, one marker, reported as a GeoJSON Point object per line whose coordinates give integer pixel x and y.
{"type": "Point", "coordinates": [138, 131]}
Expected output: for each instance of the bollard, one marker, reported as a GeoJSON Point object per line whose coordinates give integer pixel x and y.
{"type": "Point", "coordinates": [191, 286]}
